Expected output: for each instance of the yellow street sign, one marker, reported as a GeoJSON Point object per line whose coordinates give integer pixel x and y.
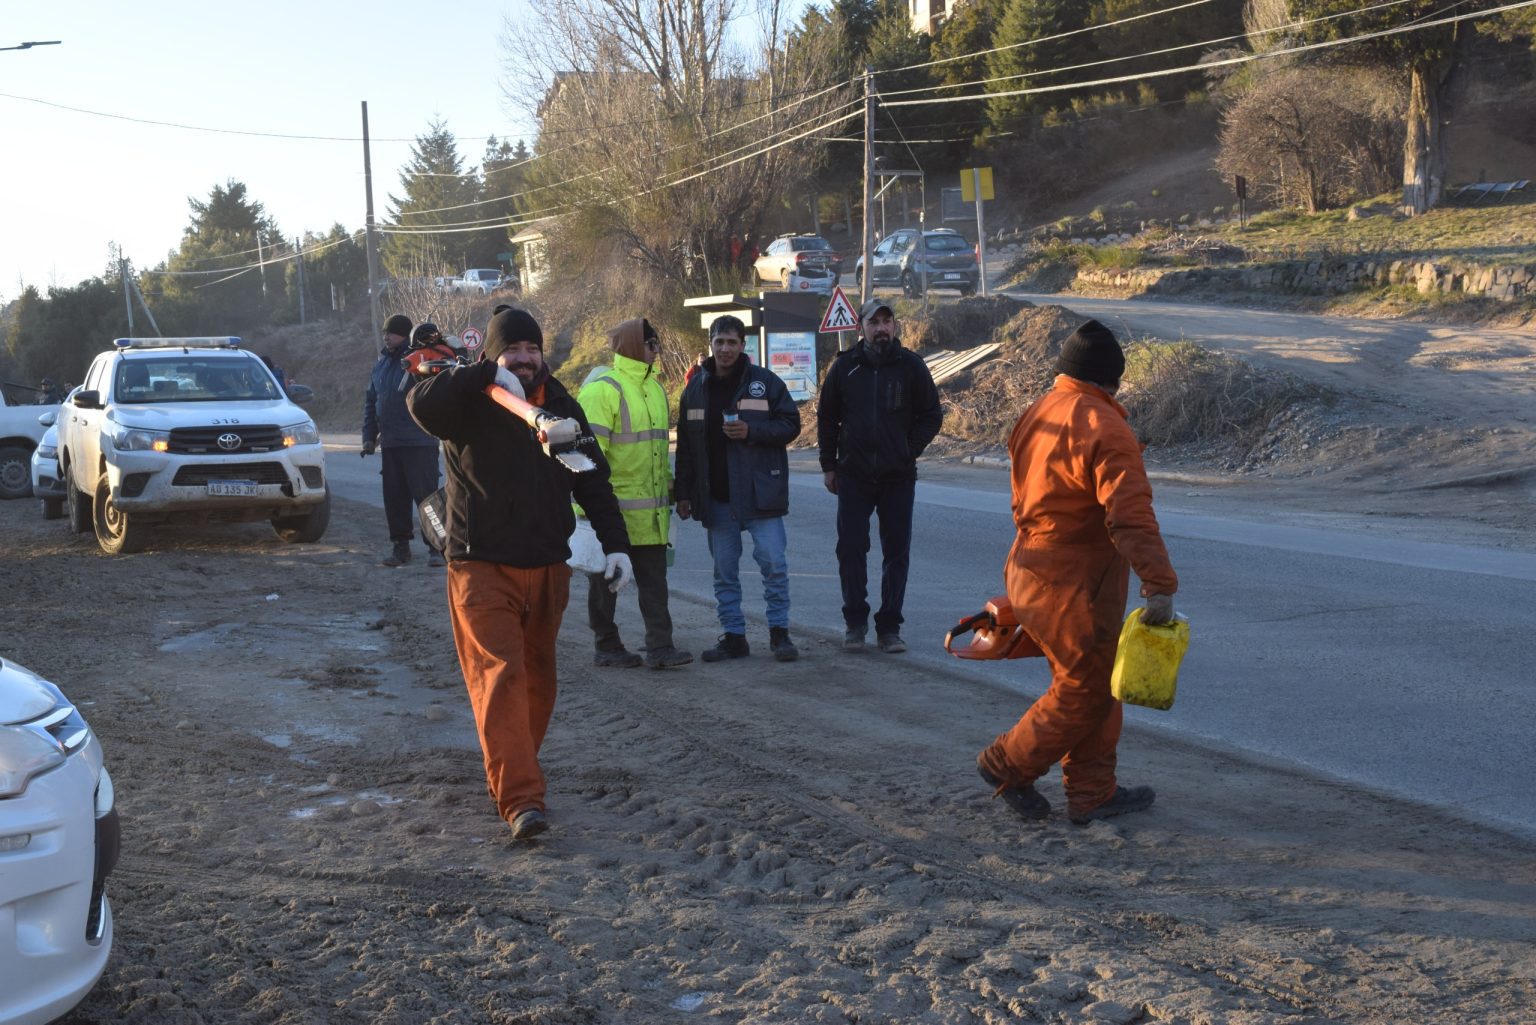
{"type": "Point", "coordinates": [968, 178]}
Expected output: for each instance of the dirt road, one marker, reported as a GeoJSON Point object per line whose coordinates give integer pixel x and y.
{"type": "Point", "coordinates": [307, 837]}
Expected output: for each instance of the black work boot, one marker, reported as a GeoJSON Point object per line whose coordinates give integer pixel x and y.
{"type": "Point", "coordinates": [1124, 800]}
{"type": "Point", "coordinates": [783, 648]}
{"type": "Point", "coordinates": [728, 646]}
{"type": "Point", "coordinates": [399, 555]}
{"type": "Point", "coordinates": [1026, 801]}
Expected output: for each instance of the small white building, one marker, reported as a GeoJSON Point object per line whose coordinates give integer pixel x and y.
{"type": "Point", "coordinates": [928, 15]}
{"type": "Point", "coordinates": [533, 255]}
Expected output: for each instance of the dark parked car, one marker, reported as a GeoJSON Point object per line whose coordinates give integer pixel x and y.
{"type": "Point", "coordinates": [948, 259]}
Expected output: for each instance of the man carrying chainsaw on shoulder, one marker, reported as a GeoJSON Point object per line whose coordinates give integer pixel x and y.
{"type": "Point", "coordinates": [511, 479]}
{"type": "Point", "coordinates": [1083, 509]}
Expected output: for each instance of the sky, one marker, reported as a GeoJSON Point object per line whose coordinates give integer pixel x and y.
{"type": "Point", "coordinates": [71, 183]}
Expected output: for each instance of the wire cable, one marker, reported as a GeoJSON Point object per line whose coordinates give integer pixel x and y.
{"type": "Point", "coordinates": [1226, 62]}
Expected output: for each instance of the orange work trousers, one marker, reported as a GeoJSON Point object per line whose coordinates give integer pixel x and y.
{"type": "Point", "coordinates": [1071, 600]}
{"type": "Point", "coordinates": [504, 624]}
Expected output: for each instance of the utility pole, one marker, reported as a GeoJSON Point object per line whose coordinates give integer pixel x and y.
{"type": "Point", "coordinates": [298, 245]}
{"type": "Point", "coordinates": [122, 272]}
{"type": "Point", "coordinates": [373, 248]}
{"type": "Point", "coordinates": [869, 185]}
{"type": "Point", "coordinates": [261, 263]}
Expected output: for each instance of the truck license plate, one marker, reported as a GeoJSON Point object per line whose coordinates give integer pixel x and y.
{"type": "Point", "coordinates": [237, 488]}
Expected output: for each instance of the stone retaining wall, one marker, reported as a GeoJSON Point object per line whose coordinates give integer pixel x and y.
{"type": "Point", "coordinates": [1326, 277]}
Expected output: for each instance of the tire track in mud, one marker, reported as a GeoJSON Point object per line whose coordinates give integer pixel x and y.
{"type": "Point", "coordinates": [1294, 973]}
{"type": "Point", "coordinates": [1206, 958]}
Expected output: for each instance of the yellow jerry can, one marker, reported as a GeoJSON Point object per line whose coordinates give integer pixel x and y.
{"type": "Point", "coordinates": [1147, 661]}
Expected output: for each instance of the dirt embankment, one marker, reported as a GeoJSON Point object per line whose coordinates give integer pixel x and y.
{"type": "Point", "coordinates": [307, 837]}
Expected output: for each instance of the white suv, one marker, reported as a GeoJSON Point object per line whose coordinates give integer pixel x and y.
{"type": "Point", "coordinates": [59, 839]}
{"type": "Point", "coordinates": [167, 430]}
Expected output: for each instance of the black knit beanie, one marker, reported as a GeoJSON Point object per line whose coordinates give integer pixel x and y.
{"type": "Point", "coordinates": [508, 327]}
{"type": "Point", "coordinates": [399, 324]}
{"type": "Point", "coordinates": [1092, 354]}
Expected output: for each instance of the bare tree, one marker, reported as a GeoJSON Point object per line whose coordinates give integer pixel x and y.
{"type": "Point", "coordinates": [1315, 137]}
{"type": "Point", "coordinates": [659, 127]}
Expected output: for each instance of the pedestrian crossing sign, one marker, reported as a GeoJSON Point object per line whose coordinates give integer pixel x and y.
{"type": "Point", "coordinates": [840, 315]}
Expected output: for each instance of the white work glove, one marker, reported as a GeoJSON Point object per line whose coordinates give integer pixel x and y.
{"type": "Point", "coordinates": [508, 380]}
{"type": "Point", "coordinates": [1159, 610]}
{"type": "Point", "coordinates": [559, 430]}
{"type": "Point", "coordinates": [618, 571]}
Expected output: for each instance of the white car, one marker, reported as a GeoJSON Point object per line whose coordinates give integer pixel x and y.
{"type": "Point", "coordinates": [59, 840]}
{"type": "Point", "coordinates": [46, 484]}
{"type": "Point", "coordinates": [187, 430]}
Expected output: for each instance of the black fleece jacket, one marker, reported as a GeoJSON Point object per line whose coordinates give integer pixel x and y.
{"type": "Point", "coordinates": [508, 502]}
{"type": "Point", "coordinates": [876, 413]}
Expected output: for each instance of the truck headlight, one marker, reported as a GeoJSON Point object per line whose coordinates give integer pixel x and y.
{"type": "Point", "coordinates": [305, 433]}
{"type": "Point", "coordinates": [135, 439]}
{"type": "Point", "coordinates": [24, 754]}
{"type": "Point", "coordinates": [47, 452]}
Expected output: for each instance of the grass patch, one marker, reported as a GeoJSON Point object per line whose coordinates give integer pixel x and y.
{"type": "Point", "coordinates": [1490, 233]}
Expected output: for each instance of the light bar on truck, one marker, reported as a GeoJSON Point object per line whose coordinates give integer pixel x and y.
{"type": "Point", "coordinates": [203, 342]}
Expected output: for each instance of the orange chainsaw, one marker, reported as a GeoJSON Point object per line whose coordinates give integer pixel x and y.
{"type": "Point", "coordinates": [542, 423]}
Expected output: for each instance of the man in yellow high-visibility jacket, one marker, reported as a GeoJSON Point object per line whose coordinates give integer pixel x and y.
{"type": "Point", "coordinates": [628, 413]}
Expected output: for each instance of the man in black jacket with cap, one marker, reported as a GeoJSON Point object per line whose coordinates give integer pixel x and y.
{"type": "Point", "coordinates": [877, 411]}
{"type": "Point", "coordinates": [508, 518]}
{"type": "Point", "coordinates": [409, 454]}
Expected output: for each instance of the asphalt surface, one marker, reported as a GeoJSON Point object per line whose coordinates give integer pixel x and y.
{"type": "Point", "coordinates": [1398, 664]}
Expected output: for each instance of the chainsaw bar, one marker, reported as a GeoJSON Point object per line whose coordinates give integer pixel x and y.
{"type": "Point", "coordinates": [574, 461]}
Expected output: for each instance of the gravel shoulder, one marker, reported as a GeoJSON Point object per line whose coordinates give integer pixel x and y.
{"type": "Point", "coordinates": [307, 836]}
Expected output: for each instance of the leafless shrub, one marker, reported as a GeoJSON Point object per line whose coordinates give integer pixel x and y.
{"type": "Point", "coordinates": [1178, 393]}
{"type": "Point", "coordinates": [1315, 137]}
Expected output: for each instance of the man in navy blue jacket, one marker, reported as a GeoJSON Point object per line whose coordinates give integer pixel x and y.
{"type": "Point", "coordinates": [409, 453]}
{"type": "Point", "coordinates": [877, 411]}
{"type": "Point", "coordinates": [734, 423]}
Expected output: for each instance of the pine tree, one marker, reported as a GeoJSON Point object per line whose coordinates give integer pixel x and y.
{"type": "Point", "coordinates": [438, 193]}
{"type": "Point", "coordinates": [1029, 52]}
{"type": "Point", "coordinates": [228, 274]}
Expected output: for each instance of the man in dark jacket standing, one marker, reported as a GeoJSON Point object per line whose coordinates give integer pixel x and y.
{"type": "Point", "coordinates": [508, 517]}
{"type": "Point", "coordinates": [409, 453]}
{"type": "Point", "coordinates": [734, 423]}
{"type": "Point", "coordinates": [877, 411]}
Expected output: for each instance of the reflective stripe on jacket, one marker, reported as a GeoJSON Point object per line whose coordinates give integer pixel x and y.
{"type": "Point", "coordinates": [627, 411]}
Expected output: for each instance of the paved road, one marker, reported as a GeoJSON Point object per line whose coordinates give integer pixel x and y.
{"type": "Point", "coordinates": [1398, 664]}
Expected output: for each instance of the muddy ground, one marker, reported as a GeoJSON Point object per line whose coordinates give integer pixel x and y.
{"type": "Point", "coordinates": [307, 837]}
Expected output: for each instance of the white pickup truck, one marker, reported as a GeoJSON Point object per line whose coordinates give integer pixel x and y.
{"type": "Point", "coordinates": [20, 432]}
{"type": "Point", "coordinates": [479, 281]}
{"type": "Point", "coordinates": [187, 430]}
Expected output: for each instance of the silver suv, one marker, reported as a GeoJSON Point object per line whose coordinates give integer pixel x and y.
{"type": "Point", "coordinates": [791, 255]}
{"type": "Point", "coordinates": [168, 430]}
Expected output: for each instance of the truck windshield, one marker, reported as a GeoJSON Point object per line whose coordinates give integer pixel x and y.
{"type": "Point", "coordinates": [192, 379]}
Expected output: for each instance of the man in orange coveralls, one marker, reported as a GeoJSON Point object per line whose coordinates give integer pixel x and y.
{"type": "Point", "coordinates": [508, 517]}
{"type": "Point", "coordinates": [1083, 509]}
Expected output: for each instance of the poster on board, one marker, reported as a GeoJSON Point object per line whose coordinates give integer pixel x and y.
{"type": "Point", "coordinates": [792, 355]}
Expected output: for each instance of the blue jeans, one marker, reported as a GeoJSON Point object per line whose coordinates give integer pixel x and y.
{"type": "Point", "coordinates": [857, 500]}
{"type": "Point", "coordinates": [768, 548]}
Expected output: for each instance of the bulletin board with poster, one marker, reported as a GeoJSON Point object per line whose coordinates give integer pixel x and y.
{"type": "Point", "coordinates": [792, 356]}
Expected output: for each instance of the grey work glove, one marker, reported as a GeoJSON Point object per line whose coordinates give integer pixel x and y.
{"type": "Point", "coordinates": [1159, 610]}
{"type": "Point", "coordinates": [617, 571]}
{"type": "Point", "coordinates": [367, 450]}
{"type": "Point", "coordinates": [510, 381]}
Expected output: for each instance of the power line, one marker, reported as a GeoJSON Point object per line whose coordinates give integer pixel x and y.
{"type": "Point", "coordinates": [1045, 39]}
{"type": "Point", "coordinates": [1156, 53]}
{"type": "Point", "coordinates": [1226, 62]}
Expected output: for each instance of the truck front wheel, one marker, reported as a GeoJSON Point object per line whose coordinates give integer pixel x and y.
{"type": "Point", "coordinates": [116, 532]}
{"type": "Point", "coordinates": [15, 472]}
{"type": "Point", "coordinates": [307, 528]}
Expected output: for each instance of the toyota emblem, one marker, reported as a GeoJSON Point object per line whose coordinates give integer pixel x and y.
{"type": "Point", "coordinates": [229, 442]}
